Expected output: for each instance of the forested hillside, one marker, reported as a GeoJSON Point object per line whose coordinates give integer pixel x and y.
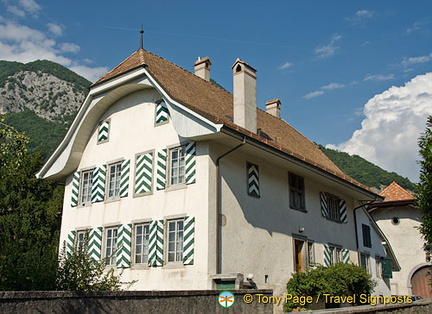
{"type": "Point", "coordinates": [366, 172]}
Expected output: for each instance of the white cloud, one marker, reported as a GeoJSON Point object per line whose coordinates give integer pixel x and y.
{"type": "Point", "coordinates": [333, 86]}
{"type": "Point", "coordinates": [24, 44]}
{"type": "Point", "coordinates": [55, 29]}
{"type": "Point", "coordinates": [393, 122]}
{"type": "Point", "coordinates": [313, 94]}
{"type": "Point", "coordinates": [360, 16]}
{"type": "Point", "coordinates": [328, 50]}
{"type": "Point", "coordinates": [69, 47]}
{"type": "Point", "coordinates": [378, 77]}
{"type": "Point", "coordinates": [92, 74]}
{"type": "Point", "coordinates": [286, 65]}
{"type": "Point", "coordinates": [416, 60]}
{"type": "Point", "coordinates": [416, 26]}
{"type": "Point", "coordinates": [23, 7]}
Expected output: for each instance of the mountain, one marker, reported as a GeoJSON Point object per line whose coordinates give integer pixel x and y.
{"type": "Point", "coordinates": [41, 98]}
{"type": "Point", "coordinates": [50, 90]}
{"type": "Point", "coordinates": [366, 172]}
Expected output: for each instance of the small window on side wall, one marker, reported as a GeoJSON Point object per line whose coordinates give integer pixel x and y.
{"type": "Point", "coordinates": [296, 192]}
{"type": "Point", "coordinates": [103, 131]}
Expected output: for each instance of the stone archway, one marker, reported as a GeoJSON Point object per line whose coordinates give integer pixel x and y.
{"type": "Point", "coordinates": [420, 283]}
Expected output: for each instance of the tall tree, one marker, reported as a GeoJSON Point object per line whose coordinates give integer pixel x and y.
{"type": "Point", "coordinates": [30, 212]}
{"type": "Point", "coordinates": [425, 186]}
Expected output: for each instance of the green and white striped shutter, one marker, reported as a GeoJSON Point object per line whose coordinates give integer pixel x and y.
{"type": "Point", "coordinates": [95, 243]}
{"type": "Point", "coordinates": [161, 169]}
{"type": "Point", "coordinates": [70, 243]}
{"type": "Point", "coordinates": [156, 243]}
{"type": "Point", "coordinates": [253, 180]}
{"type": "Point", "coordinates": [103, 131]}
{"type": "Point", "coordinates": [346, 256]}
{"type": "Point", "coordinates": [143, 173]}
{"type": "Point", "coordinates": [190, 152]}
{"type": "Point", "coordinates": [75, 188]}
{"type": "Point", "coordinates": [188, 240]}
{"type": "Point", "coordinates": [161, 112]}
{"type": "Point", "coordinates": [343, 211]}
{"type": "Point", "coordinates": [124, 178]}
{"type": "Point", "coordinates": [124, 240]}
{"type": "Point", "coordinates": [327, 256]}
{"type": "Point", "coordinates": [324, 206]}
{"type": "Point", "coordinates": [98, 184]}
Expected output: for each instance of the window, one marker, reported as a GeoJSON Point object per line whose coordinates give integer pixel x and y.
{"type": "Point", "coordinates": [311, 254]}
{"type": "Point", "coordinates": [367, 242]}
{"type": "Point", "coordinates": [297, 192]}
{"type": "Point", "coordinates": [378, 266]}
{"type": "Point", "coordinates": [175, 240]}
{"type": "Point", "coordinates": [177, 165]}
{"type": "Point", "coordinates": [142, 233]}
{"type": "Point", "coordinates": [110, 245]}
{"type": "Point", "coordinates": [333, 207]}
{"type": "Point", "coordinates": [365, 262]}
{"type": "Point", "coordinates": [335, 254]}
{"type": "Point", "coordinates": [114, 176]}
{"type": "Point", "coordinates": [85, 189]}
{"type": "Point", "coordinates": [81, 239]}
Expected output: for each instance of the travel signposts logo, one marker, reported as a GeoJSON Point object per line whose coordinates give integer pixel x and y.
{"type": "Point", "coordinates": [226, 299]}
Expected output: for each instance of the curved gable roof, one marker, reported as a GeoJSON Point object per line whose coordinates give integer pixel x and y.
{"type": "Point", "coordinates": [216, 104]}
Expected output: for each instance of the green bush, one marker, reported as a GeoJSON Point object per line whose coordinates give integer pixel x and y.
{"type": "Point", "coordinates": [339, 280]}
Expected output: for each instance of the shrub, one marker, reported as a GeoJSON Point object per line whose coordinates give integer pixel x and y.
{"type": "Point", "coordinates": [340, 280]}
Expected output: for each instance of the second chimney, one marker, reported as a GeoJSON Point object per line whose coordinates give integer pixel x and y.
{"type": "Point", "coordinates": [273, 107]}
{"type": "Point", "coordinates": [202, 68]}
{"type": "Point", "coordinates": [245, 109]}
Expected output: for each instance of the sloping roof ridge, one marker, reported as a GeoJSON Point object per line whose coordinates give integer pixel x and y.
{"type": "Point", "coordinates": [395, 192]}
{"type": "Point", "coordinates": [188, 72]}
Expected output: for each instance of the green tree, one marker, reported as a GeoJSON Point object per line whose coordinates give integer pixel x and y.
{"type": "Point", "coordinates": [30, 212]}
{"type": "Point", "coordinates": [424, 195]}
{"type": "Point", "coordinates": [77, 271]}
{"type": "Point", "coordinates": [340, 280]}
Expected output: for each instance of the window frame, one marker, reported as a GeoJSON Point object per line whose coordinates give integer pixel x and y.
{"type": "Point", "coordinates": [333, 212]}
{"type": "Point", "coordinates": [310, 253]}
{"type": "Point", "coordinates": [181, 150]}
{"type": "Point", "coordinates": [178, 253]}
{"type": "Point", "coordinates": [366, 233]}
{"type": "Point", "coordinates": [81, 239]}
{"type": "Point", "coordinates": [297, 191]}
{"type": "Point", "coordinates": [116, 181]}
{"type": "Point", "coordinates": [82, 188]}
{"type": "Point", "coordinates": [336, 255]}
{"type": "Point", "coordinates": [111, 256]}
{"type": "Point", "coordinates": [142, 244]}
{"type": "Point", "coordinates": [365, 261]}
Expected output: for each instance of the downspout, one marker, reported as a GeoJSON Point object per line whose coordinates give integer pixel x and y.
{"type": "Point", "coordinates": [219, 206]}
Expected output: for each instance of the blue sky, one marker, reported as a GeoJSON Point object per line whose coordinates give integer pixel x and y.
{"type": "Point", "coordinates": [350, 74]}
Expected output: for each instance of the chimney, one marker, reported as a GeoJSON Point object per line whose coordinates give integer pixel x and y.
{"type": "Point", "coordinates": [202, 68]}
{"type": "Point", "coordinates": [244, 81]}
{"type": "Point", "coordinates": [273, 107]}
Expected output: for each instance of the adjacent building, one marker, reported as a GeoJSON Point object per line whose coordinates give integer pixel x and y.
{"type": "Point", "coordinates": [399, 218]}
{"type": "Point", "coordinates": [183, 185]}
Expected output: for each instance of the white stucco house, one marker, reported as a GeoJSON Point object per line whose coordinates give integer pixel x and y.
{"type": "Point", "coordinates": [399, 218]}
{"type": "Point", "coordinates": [183, 185]}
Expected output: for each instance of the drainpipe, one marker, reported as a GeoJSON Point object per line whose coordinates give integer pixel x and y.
{"type": "Point", "coordinates": [219, 206]}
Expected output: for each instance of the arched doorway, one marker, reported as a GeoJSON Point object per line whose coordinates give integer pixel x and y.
{"type": "Point", "coordinates": [420, 283]}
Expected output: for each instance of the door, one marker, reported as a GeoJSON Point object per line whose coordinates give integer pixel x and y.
{"type": "Point", "coordinates": [420, 283]}
{"type": "Point", "coordinates": [298, 255]}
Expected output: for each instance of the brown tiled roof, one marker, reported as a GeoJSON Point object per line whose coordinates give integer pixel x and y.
{"type": "Point", "coordinates": [216, 104]}
{"type": "Point", "coordinates": [394, 192]}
